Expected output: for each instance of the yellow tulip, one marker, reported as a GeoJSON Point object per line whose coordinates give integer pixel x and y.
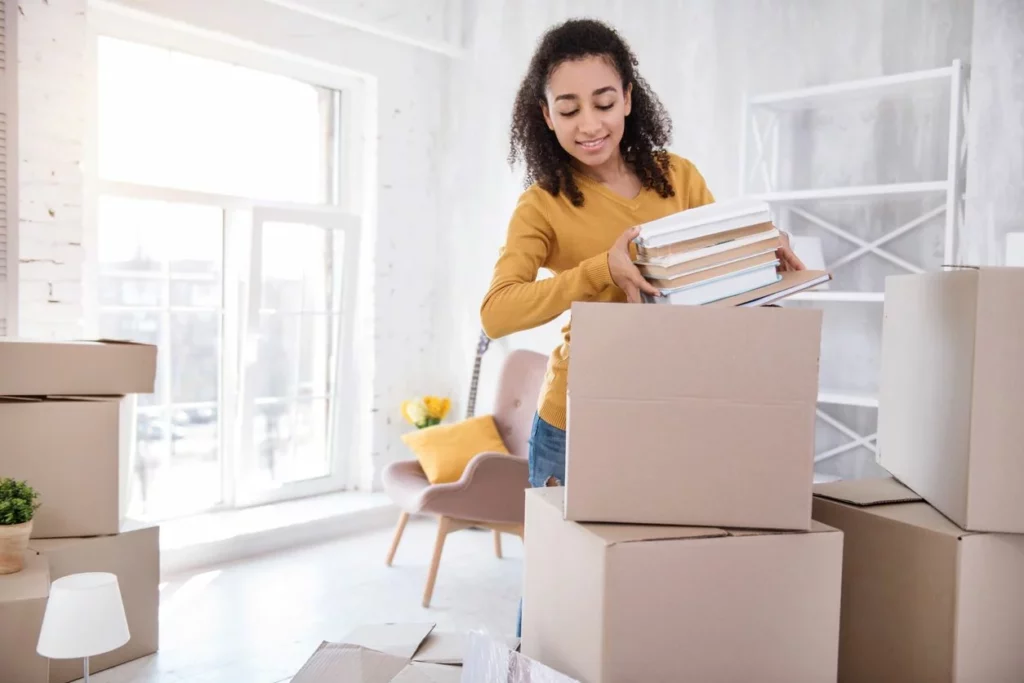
{"type": "Point", "coordinates": [437, 408]}
{"type": "Point", "coordinates": [414, 412]}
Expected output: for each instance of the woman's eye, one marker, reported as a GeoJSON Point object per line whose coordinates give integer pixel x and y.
{"type": "Point", "coordinates": [568, 114]}
{"type": "Point", "coordinates": [605, 107]}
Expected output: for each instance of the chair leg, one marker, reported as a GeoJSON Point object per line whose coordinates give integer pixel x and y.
{"type": "Point", "coordinates": [497, 543]}
{"type": "Point", "coordinates": [399, 530]}
{"type": "Point", "coordinates": [443, 525]}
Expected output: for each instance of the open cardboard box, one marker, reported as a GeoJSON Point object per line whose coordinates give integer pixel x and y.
{"type": "Point", "coordinates": [391, 653]}
{"type": "Point", "coordinates": [85, 368]}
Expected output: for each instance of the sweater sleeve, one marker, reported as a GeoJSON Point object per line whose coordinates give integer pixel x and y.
{"type": "Point", "coordinates": [516, 300]}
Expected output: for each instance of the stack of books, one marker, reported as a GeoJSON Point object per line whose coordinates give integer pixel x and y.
{"type": "Point", "coordinates": [723, 253]}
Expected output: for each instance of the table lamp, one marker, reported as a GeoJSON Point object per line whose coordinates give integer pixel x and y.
{"type": "Point", "coordinates": [84, 617]}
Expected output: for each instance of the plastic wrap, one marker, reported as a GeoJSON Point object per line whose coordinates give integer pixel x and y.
{"type": "Point", "coordinates": [490, 661]}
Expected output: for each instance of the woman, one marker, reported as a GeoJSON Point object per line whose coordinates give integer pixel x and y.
{"type": "Point", "coordinates": [592, 136]}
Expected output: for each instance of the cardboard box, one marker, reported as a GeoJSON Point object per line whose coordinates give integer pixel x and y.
{"type": "Point", "coordinates": [952, 386]}
{"type": "Point", "coordinates": [67, 449]}
{"type": "Point", "coordinates": [22, 605]}
{"type": "Point", "coordinates": [692, 415]}
{"type": "Point", "coordinates": [134, 556]}
{"type": "Point", "coordinates": [923, 600]}
{"type": "Point", "coordinates": [612, 603]}
{"type": "Point", "coordinates": [88, 368]}
{"type": "Point", "coordinates": [389, 653]}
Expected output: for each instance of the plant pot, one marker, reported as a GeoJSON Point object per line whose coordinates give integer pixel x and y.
{"type": "Point", "coordinates": [13, 545]}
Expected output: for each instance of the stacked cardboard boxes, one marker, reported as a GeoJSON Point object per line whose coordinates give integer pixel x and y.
{"type": "Point", "coordinates": [62, 406]}
{"type": "Point", "coordinates": [682, 545]}
{"type": "Point", "coordinates": [933, 565]}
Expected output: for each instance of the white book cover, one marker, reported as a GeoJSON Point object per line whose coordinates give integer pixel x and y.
{"type": "Point", "coordinates": [703, 220]}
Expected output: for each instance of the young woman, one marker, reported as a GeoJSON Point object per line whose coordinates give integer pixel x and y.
{"type": "Point", "coordinates": [592, 136]}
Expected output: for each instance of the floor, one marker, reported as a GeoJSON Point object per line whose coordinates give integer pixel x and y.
{"type": "Point", "coordinates": [258, 620]}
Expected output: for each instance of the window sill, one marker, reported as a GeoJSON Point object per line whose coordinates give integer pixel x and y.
{"type": "Point", "coordinates": [212, 538]}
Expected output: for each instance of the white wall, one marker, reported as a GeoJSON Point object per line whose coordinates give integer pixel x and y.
{"type": "Point", "coordinates": [701, 57]}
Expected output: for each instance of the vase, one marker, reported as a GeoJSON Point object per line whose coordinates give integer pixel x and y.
{"type": "Point", "coordinates": [13, 545]}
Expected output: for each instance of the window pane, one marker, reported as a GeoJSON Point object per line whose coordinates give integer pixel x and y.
{"type": "Point", "coordinates": [299, 268]}
{"type": "Point", "coordinates": [195, 357]}
{"type": "Point", "coordinates": [141, 235]}
{"type": "Point", "coordinates": [118, 290]}
{"type": "Point", "coordinates": [172, 119]}
{"type": "Point", "coordinates": [294, 357]}
{"type": "Point", "coordinates": [290, 440]}
{"type": "Point", "coordinates": [139, 326]}
{"type": "Point", "coordinates": [176, 470]}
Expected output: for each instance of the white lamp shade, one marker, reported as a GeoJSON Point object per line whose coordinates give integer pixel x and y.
{"type": "Point", "coordinates": [84, 617]}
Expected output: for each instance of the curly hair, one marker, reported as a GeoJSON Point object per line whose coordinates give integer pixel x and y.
{"type": "Point", "coordinates": [648, 128]}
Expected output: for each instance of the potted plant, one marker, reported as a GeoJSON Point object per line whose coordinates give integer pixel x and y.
{"type": "Point", "coordinates": [17, 507]}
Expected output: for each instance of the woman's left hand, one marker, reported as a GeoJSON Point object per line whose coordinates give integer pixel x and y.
{"type": "Point", "coordinates": [787, 257]}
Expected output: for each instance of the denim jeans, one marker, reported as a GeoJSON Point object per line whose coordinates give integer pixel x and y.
{"type": "Point", "coordinates": [547, 466]}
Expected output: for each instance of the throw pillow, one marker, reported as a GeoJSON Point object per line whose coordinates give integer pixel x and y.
{"type": "Point", "coordinates": [444, 451]}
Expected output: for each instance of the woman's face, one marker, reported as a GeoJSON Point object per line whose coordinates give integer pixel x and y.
{"type": "Point", "coordinates": [587, 109]}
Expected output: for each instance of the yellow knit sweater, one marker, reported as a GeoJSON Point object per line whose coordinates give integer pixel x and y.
{"type": "Point", "coordinates": [573, 243]}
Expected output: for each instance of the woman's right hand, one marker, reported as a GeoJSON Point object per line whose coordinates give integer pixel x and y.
{"type": "Point", "coordinates": [625, 274]}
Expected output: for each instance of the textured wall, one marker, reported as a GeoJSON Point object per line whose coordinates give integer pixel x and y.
{"type": "Point", "coordinates": [995, 166]}
{"type": "Point", "coordinates": [701, 57]}
{"type": "Point", "coordinates": [52, 93]}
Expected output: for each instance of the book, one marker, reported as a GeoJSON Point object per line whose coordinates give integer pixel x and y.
{"type": "Point", "coordinates": [719, 288]}
{"type": "Point", "coordinates": [788, 284]}
{"type": "Point", "coordinates": [702, 221]}
{"type": "Point", "coordinates": [708, 272]}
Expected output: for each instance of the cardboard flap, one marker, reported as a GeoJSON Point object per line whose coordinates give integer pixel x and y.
{"type": "Point", "coordinates": [421, 672]}
{"type": "Point", "coordinates": [867, 492]}
{"type": "Point", "coordinates": [695, 352]}
{"type": "Point", "coordinates": [31, 583]}
{"type": "Point", "coordinates": [400, 640]}
{"type": "Point", "coordinates": [335, 662]}
{"type": "Point", "coordinates": [613, 534]}
{"type": "Point", "coordinates": [449, 648]}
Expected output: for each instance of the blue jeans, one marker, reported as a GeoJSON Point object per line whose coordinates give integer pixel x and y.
{"type": "Point", "coordinates": [547, 466]}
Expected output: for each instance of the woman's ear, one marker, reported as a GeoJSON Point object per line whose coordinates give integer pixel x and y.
{"type": "Point", "coordinates": [547, 115]}
{"type": "Point", "coordinates": [627, 99]}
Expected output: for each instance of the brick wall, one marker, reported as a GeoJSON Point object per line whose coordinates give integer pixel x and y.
{"type": "Point", "coordinates": [53, 92]}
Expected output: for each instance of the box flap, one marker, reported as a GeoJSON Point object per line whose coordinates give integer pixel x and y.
{"type": "Point", "coordinates": [422, 672]}
{"type": "Point", "coordinates": [400, 640]}
{"type": "Point", "coordinates": [31, 583]}
{"type": "Point", "coordinates": [719, 363]}
{"type": "Point", "coordinates": [867, 492]}
{"type": "Point", "coordinates": [333, 662]}
{"type": "Point", "coordinates": [816, 528]}
{"type": "Point", "coordinates": [448, 648]}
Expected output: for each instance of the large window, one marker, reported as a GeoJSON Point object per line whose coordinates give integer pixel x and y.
{"type": "Point", "coordinates": [220, 239]}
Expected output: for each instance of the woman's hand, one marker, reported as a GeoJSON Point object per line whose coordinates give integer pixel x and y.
{"type": "Point", "coordinates": [625, 275]}
{"type": "Point", "coordinates": [787, 257]}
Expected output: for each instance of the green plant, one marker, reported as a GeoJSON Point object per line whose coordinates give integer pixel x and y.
{"type": "Point", "coordinates": [17, 502]}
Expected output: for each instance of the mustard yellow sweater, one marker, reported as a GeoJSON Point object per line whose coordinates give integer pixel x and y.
{"type": "Point", "coordinates": [573, 243]}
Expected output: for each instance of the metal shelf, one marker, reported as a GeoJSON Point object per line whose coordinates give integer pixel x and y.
{"type": "Point", "coordinates": [850, 297]}
{"type": "Point", "coordinates": [898, 84]}
{"type": "Point", "coordinates": [857, 192]}
{"type": "Point", "coordinates": [861, 399]}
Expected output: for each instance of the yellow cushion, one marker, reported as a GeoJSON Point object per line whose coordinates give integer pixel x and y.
{"type": "Point", "coordinates": [445, 450]}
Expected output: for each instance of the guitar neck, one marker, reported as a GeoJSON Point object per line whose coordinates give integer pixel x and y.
{"type": "Point", "coordinates": [471, 403]}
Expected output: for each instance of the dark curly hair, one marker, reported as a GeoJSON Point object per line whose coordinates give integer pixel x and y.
{"type": "Point", "coordinates": [648, 128]}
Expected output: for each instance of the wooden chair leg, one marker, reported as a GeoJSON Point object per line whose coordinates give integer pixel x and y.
{"type": "Point", "coordinates": [443, 525]}
{"type": "Point", "coordinates": [399, 530]}
{"type": "Point", "coordinates": [497, 543]}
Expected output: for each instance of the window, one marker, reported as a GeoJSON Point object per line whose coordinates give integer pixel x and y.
{"type": "Point", "coordinates": [219, 239]}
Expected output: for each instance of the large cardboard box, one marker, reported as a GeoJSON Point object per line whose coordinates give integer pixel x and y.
{"type": "Point", "coordinates": [950, 423]}
{"type": "Point", "coordinates": [22, 604]}
{"type": "Point", "coordinates": [613, 603]}
{"type": "Point", "coordinates": [67, 449]}
{"type": "Point", "coordinates": [692, 415]}
{"type": "Point", "coordinates": [134, 556]}
{"type": "Point", "coordinates": [92, 368]}
{"type": "Point", "coordinates": [923, 600]}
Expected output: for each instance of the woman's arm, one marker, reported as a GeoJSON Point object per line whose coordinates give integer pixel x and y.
{"type": "Point", "coordinates": [516, 300]}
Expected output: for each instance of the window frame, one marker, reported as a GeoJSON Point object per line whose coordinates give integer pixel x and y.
{"type": "Point", "coordinates": [349, 210]}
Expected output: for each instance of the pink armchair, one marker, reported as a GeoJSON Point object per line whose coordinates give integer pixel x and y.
{"type": "Point", "coordinates": [490, 493]}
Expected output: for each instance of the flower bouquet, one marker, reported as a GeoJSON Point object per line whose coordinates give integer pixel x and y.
{"type": "Point", "coordinates": [426, 411]}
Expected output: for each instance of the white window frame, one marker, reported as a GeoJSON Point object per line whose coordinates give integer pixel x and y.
{"type": "Point", "coordinates": [351, 212]}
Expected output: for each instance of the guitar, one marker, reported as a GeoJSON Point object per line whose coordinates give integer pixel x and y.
{"type": "Point", "coordinates": [481, 348]}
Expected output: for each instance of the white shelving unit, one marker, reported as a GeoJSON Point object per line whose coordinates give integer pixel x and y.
{"type": "Point", "coordinates": [762, 117]}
